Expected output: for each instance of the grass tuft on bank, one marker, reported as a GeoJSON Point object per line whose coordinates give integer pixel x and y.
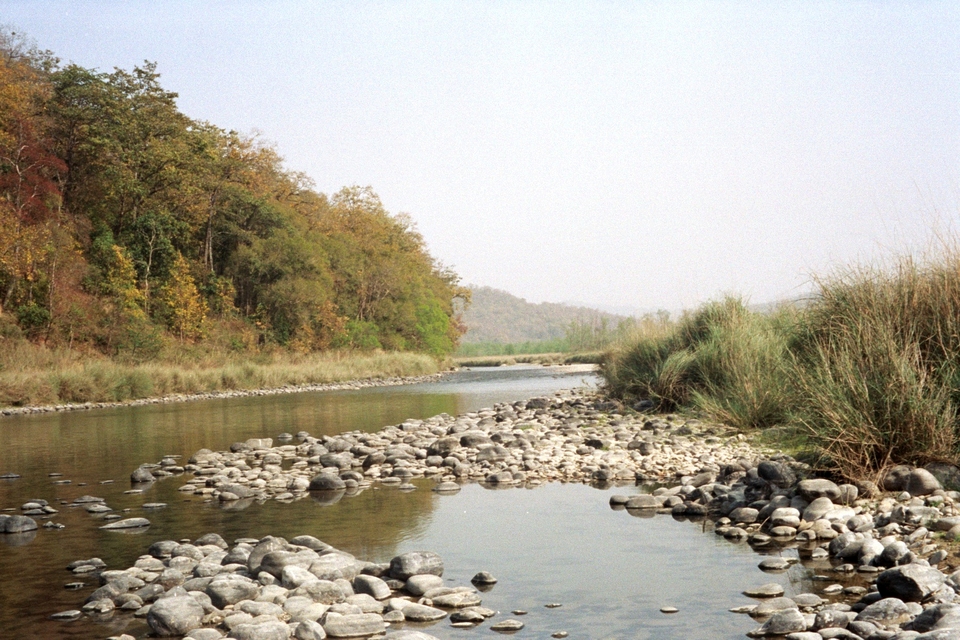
{"type": "Point", "coordinates": [34, 375]}
{"type": "Point", "coordinates": [865, 375]}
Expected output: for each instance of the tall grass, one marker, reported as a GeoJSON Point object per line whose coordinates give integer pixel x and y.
{"type": "Point", "coordinates": [868, 371]}
{"type": "Point", "coordinates": [722, 359]}
{"type": "Point", "coordinates": [34, 375]}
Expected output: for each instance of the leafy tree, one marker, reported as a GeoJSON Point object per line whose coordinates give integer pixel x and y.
{"type": "Point", "coordinates": [183, 308]}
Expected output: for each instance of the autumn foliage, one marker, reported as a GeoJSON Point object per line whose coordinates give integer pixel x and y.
{"type": "Point", "coordinates": [125, 224]}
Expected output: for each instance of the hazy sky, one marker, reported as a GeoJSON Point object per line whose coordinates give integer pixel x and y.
{"type": "Point", "coordinates": [639, 154]}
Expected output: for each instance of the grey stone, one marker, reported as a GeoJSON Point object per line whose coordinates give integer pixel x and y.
{"type": "Point", "coordinates": [128, 523]}
{"type": "Point", "coordinates": [936, 617]}
{"type": "Point", "coordinates": [744, 515]}
{"type": "Point", "coordinates": [910, 583]}
{"type": "Point", "coordinates": [327, 482]}
{"type": "Point", "coordinates": [309, 630]}
{"type": "Point", "coordinates": [415, 563]}
{"type": "Point", "coordinates": [175, 616]}
{"type": "Point", "coordinates": [262, 630]}
{"type": "Point", "coordinates": [419, 584]}
{"type": "Point", "coordinates": [141, 475]}
{"type": "Point", "coordinates": [814, 488]}
{"type": "Point", "coordinates": [322, 591]}
{"type": "Point", "coordinates": [418, 612]}
{"type": "Point", "coordinates": [818, 508]}
{"type": "Point", "coordinates": [888, 611]}
{"type": "Point", "coordinates": [371, 585]}
{"type": "Point", "coordinates": [508, 625]}
{"type": "Point", "coordinates": [896, 478]}
{"type": "Point", "coordinates": [349, 626]}
{"type": "Point", "coordinates": [231, 589]}
{"type": "Point", "coordinates": [784, 622]}
{"type": "Point", "coordinates": [921, 482]}
{"type": "Point", "coordinates": [769, 590]}
{"type": "Point", "coordinates": [776, 473]}
{"type": "Point", "coordinates": [335, 565]}
{"type": "Point", "coordinates": [643, 501]}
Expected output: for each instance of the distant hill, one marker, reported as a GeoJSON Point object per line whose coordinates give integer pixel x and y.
{"type": "Point", "coordinates": [498, 316]}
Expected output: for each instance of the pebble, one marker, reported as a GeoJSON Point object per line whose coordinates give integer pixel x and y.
{"type": "Point", "coordinates": [669, 610]}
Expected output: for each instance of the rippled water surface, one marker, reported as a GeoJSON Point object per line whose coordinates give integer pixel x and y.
{"type": "Point", "coordinates": [552, 544]}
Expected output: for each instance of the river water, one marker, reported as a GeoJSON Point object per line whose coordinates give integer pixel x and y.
{"type": "Point", "coordinates": [558, 543]}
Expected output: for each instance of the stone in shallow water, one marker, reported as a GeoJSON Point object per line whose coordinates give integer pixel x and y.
{"type": "Point", "coordinates": [769, 590]}
{"type": "Point", "coordinates": [507, 626]}
{"type": "Point", "coordinates": [483, 577]}
{"type": "Point", "coordinates": [128, 523]}
{"type": "Point", "coordinates": [774, 564]}
{"type": "Point", "coordinates": [70, 614]}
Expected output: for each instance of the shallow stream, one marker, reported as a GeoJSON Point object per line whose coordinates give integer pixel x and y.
{"type": "Point", "coordinates": [555, 544]}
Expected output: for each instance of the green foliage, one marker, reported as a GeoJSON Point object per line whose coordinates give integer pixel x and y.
{"type": "Point", "coordinates": [120, 216]}
{"type": "Point", "coordinates": [33, 318]}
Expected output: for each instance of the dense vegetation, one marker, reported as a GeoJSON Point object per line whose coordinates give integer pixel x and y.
{"type": "Point", "coordinates": [128, 229]}
{"type": "Point", "coordinates": [864, 375]}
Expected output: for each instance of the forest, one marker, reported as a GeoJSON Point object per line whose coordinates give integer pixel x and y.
{"type": "Point", "coordinates": [127, 226]}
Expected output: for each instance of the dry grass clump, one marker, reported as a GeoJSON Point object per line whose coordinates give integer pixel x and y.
{"type": "Point", "coordinates": [868, 372]}
{"type": "Point", "coordinates": [33, 375]}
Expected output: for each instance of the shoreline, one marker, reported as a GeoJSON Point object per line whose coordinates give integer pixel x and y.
{"type": "Point", "coordinates": [346, 385]}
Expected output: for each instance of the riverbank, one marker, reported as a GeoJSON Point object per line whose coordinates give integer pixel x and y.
{"type": "Point", "coordinates": [545, 359]}
{"type": "Point", "coordinates": [74, 383]}
{"type": "Point", "coordinates": [880, 552]}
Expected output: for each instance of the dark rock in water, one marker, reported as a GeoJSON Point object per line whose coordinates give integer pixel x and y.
{"type": "Point", "coordinates": [140, 475]}
{"type": "Point", "coordinates": [327, 482]}
{"type": "Point", "coordinates": [416, 563]}
{"type": "Point", "coordinates": [909, 582]}
{"type": "Point", "coordinates": [17, 524]}
{"type": "Point", "coordinates": [483, 577]}
{"type": "Point", "coordinates": [175, 616]}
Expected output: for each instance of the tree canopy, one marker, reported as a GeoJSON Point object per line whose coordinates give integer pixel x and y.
{"type": "Point", "coordinates": [124, 222]}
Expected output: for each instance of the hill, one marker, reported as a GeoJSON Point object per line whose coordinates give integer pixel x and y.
{"type": "Point", "coordinates": [500, 317]}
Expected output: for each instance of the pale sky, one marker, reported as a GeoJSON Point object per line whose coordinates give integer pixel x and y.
{"type": "Point", "coordinates": [619, 154]}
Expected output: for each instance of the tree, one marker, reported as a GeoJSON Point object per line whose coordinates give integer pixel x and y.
{"type": "Point", "coordinates": [183, 308]}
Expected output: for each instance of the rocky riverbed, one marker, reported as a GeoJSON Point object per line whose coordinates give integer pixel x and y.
{"type": "Point", "coordinates": [891, 537]}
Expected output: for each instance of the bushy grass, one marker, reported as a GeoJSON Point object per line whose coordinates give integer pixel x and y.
{"type": "Point", "coordinates": [723, 359]}
{"type": "Point", "coordinates": [33, 375]}
{"type": "Point", "coordinates": [867, 373]}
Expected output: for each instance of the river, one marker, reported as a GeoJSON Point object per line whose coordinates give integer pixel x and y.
{"type": "Point", "coordinates": [552, 544]}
